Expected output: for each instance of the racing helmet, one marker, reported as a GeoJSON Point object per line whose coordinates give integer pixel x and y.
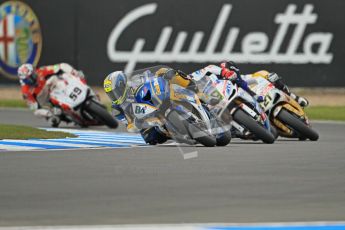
{"type": "Point", "coordinates": [229, 65]}
{"type": "Point", "coordinates": [271, 76]}
{"type": "Point", "coordinates": [27, 74]}
{"type": "Point", "coordinates": [261, 73]}
{"type": "Point", "coordinates": [116, 87]}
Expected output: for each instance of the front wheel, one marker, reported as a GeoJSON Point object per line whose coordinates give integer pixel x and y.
{"type": "Point", "coordinates": [223, 134]}
{"type": "Point", "coordinates": [183, 127]}
{"type": "Point", "coordinates": [253, 126]}
{"type": "Point", "coordinates": [101, 114]}
{"type": "Point", "coordinates": [223, 139]}
{"type": "Point", "coordinates": [299, 126]}
{"type": "Point", "coordinates": [201, 135]}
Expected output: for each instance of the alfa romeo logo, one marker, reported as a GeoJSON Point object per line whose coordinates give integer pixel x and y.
{"type": "Point", "coordinates": [20, 37]}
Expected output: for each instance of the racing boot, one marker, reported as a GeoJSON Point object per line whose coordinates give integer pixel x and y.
{"type": "Point", "coordinates": [132, 128]}
{"type": "Point", "coordinates": [153, 136]}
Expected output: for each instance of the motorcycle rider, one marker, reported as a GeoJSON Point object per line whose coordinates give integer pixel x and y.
{"type": "Point", "coordinates": [226, 70]}
{"type": "Point", "coordinates": [123, 93]}
{"type": "Point", "coordinates": [277, 81]}
{"type": "Point", "coordinates": [33, 81]}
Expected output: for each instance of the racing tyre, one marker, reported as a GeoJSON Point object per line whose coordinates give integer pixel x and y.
{"type": "Point", "coordinates": [202, 136]}
{"type": "Point", "coordinates": [186, 128]}
{"type": "Point", "coordinates": [223, 139]}
{"type": "Point", "coordinates": [299, 126]}
{"type": "Point", "coordinates": [101, 114]}
{"type": "Point", "coordinates": [253, 126]}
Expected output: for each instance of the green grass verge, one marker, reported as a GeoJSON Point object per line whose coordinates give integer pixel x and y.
{"type": "Point", "coordinates": [25, 132]}
{"type": "Point", "coordinates": [335, 113]}
{"type": "Point", "coordinates": [12, 103]}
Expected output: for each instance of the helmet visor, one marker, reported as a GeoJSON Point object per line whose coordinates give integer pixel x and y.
{"type": "Point", "coordinates": [31, 80]}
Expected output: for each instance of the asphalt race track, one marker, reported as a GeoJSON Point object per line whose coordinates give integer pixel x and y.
{"type": "Point", "coordinates": [243, 182]}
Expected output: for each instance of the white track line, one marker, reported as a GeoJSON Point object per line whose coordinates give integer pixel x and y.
{"type": "Point", "coordinates": [16, 148]}
{"type": "Point", "coordinates": [62, 144]}
{"type": "Point", "coordinates": [107, 141]}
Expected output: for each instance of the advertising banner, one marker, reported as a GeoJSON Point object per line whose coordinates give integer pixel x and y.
{"type": "Point", "coordinates": [300, 40]}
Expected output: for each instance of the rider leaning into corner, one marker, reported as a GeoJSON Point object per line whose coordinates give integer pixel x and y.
{"type": "Point", "coordinates": [226, 70]}
{"type": "Point", "coordinates": [33, 81]}
{"type": "Point", "coordinates": [123, 92]}
{"type": "Point", "coordinates": [277, 81]}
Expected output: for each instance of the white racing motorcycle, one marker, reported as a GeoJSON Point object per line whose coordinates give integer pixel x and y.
{"type": "Point", "coordinates": [72, 100]}
{"type": "Point", "coordinates": [284, 112]}
{"type": "Point", "coordinates": [233, 104]}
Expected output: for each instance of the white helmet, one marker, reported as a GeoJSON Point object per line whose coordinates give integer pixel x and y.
{"type": "Point", "coordinates": [26, 74]}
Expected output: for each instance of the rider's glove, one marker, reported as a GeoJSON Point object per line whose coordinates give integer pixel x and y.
{"type": "Point", "coordinates": [228, 74]}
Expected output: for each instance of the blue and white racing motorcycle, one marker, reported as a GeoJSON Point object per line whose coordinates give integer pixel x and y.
{"type": "Point", "coordinates": [174, 110]}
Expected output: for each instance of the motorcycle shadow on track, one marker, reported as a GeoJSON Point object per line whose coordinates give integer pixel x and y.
{"type": "Point", "coordinates": [293, 140]}
{"type": "Point", "coordinates": [176, 145]}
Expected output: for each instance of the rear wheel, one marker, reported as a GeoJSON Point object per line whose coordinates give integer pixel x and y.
{"type": "Point", "coordinates": [101, 114]}
{"type": "Point", "coordinates": [253, 126]}
{"type": "Point", "coordinates": [222, 132]}
{"type": "Point", "coordinates": [299, 126]}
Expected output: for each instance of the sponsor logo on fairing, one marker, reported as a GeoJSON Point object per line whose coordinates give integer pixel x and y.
{"type": "Point", "coordinates": [255, 46]}
{"type": "Point", "coordinates": [20, 37]}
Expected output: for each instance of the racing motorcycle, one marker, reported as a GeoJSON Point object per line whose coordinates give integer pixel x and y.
{"type": "Point", "coordinates": [72, 100]}
{"type": "Point", "coordinates": [176, 111]}
{"type": "Point", "coordinates": [284, 112]}
{"type": "Point", "coordinates": [235, 106]}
